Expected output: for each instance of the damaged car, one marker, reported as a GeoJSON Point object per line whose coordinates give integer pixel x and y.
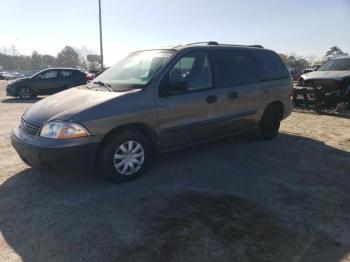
{"type": "Point", "coordinates": [327, 89]}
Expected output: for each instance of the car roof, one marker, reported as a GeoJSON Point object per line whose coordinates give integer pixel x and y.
{"type": "Point", "coordinates": [216, 44]}
{"type": "Point", "coordinates": [63, 68]}
{"type": "Point", "coordinates": [340, 57]}
{"type": "Point", "coordinates": [205, 45]}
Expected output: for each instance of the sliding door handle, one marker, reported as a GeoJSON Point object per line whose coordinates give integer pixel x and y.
{"type": "Point", "coordinates": [212, 99]}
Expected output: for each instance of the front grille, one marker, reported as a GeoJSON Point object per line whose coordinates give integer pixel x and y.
{"type": "Point", "coordinates": [29, 128]}
{"type": "Point", "coordinates": [325, 83]}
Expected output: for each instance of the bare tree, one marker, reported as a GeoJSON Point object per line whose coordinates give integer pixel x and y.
{"type": "Point", "coordinates": [335, 51]}
{"type": "Point", "coordinates": [68, 57]}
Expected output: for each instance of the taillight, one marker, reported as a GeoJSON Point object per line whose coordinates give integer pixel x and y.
{"type": "Point", "coordinates": [291, 93]}
{"type": "Point", "coordinates": [89, 77]}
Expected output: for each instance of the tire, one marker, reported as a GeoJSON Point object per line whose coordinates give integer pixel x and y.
{"type": "Point", "coordinates": [270, 122]}
{"type": "Point", "coordinates": [118, 163]}
{"type": "Point", "coordinates": [25, 93]}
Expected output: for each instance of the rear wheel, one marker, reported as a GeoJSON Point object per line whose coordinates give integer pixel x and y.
{"type": "Point", "coordinates": [125, 156]}
{"type": "Point", "coordinates": [270, 122]}
{"type": "Point", "coordinates": [25, 93]}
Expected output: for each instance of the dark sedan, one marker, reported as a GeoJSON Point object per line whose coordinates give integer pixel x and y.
{"type": "Point", "coordinates": [47, 82]}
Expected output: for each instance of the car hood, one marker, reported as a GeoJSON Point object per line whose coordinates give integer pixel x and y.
{"type": "Point", "coordinates": [335, 75]}
{"type": "Point", "coordinates": [18, 80]}
{"type": "Point", "coordinates": [64, 105]}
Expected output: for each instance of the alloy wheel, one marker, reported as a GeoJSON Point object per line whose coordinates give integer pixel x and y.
{"type": "Point", "coordinates": [25, 93]}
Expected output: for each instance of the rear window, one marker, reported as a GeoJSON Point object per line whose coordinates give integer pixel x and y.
{"type": "Point", "coordinates": [235, 67]}
{"type": "Point", "coordinates": [272, 66]}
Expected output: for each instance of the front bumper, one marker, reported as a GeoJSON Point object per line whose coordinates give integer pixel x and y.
{"type": "Point", "coordinates": [10, 91]}
{"type": "Point", "coordinates": [46, 153]}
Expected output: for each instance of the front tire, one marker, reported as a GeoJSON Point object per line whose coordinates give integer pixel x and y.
{"type": "Point", "coordinates": [25, 93]}
{"type": "Point", "coordinates": [125, 156]}
{"type": "Point", "coordinates": [270, 122]}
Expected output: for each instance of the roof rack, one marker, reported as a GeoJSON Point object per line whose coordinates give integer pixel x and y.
{"type": "Point", "coordinates": [216, 43]}
{"type": "Point", "coordinates": [207, 43]}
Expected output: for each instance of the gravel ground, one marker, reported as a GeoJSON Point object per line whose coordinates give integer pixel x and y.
{"type": "Point", "coordinates": [236, 199]}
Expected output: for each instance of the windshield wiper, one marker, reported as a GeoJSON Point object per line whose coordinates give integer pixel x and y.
{"type": "Point", "coordinates": [100, 83]}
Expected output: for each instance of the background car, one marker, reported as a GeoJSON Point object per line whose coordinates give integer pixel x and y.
{"type": "Point", "coordinates": [295, 73]}
{"type": "Point", "coordinates": [47, 82]}
{"type": "Point", "coordinates": [327, 89]}
{"type": "Point", "coordinates": [311, 69]}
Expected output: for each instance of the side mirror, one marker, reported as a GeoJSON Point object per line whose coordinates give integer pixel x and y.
{"type": "Point", "coordinates": [177, 88]}
{"type": "Point", "coordinates": [168, 88]}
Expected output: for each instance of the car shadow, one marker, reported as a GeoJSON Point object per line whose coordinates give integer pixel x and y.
{"type": "Point", "coordinates": [236, 198]}
{"type": "Point", "coordinates": [20, 101]}
{"type": "Point", "coordinates": [343, 114]}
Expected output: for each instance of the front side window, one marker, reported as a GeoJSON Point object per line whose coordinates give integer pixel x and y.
{"type": "Point", "coordinates": [136, 70]}
{"type": "Point", "coordinates": [193, 70]}
{"type": "Point", "coordinates": [235, 67]}
{"type": "Point", "coordinates": [49, 74]}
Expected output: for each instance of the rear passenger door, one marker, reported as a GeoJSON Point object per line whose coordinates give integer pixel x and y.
{"type": "Point", "coordinates": [77, 78]}
{"type": "Point", "coordinates": [237, 78]}
{"type": "Point", "coordinates": [66, 79]}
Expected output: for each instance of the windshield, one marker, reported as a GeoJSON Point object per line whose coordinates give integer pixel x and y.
{"type": "Point", "coordinates": [136, 70]}
{"type": "Point", "coordinates": [336, 64]}
{"type": "Point", "coordinates": [37, 74]}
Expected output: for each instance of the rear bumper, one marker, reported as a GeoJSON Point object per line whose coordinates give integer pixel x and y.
{"type": "Point", "coordinates": [288, 108]}
{"type": "Point", "coordinates": [45, 153]}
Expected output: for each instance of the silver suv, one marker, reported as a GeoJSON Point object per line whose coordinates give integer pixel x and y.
{"type": "Point", "coordinates": [155, 101]}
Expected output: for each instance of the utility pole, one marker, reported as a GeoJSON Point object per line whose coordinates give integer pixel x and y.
{"type": "Point", "coordinates": [100, 21]}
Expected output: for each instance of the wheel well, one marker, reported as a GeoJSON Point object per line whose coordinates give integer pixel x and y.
{"type": "Point", "coordinates": [278, 104]}
{"type": "Point", "coordinates": [139, 127]}
{"type": "Point", "coordinates": [22, 86]}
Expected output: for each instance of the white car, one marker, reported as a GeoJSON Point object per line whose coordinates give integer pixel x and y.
{"type": "Point", "coordinates": [12, 76]}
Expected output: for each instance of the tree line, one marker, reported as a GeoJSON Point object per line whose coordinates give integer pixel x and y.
{"type": "Point", "coordinates": [84, 58]}
{"type": "Point", "coordinates": [295, 61]}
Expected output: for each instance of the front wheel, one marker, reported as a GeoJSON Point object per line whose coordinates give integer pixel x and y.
{"type": "Point", "coordinates": [25, 93]}
{"type": "Point", "coordinates": [270, 122]}
{"type": "Point", "coordinates": [125, 156]}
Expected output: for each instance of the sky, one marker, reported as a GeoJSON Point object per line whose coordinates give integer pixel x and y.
{"type": "Point", "coordinates": [304, 27]}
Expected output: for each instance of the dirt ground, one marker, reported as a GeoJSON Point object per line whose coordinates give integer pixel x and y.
{"type": "Point", "coordinates": [237, 199]}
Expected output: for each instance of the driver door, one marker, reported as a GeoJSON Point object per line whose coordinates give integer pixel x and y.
{"type": "Point", "coordinates": [47, 82]}
{"type": "Point", "coordinates": [187, 102]}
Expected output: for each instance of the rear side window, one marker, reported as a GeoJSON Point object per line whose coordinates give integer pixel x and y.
{"type": "Point", "coordinates": [66, 73]}
{"type": "Point", "coordinates": [272, 66]}
{"type": "Point", "coordinates": [235, 67]}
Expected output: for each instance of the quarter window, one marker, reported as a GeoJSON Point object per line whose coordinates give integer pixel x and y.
{"type": "Point", "coordinates": [272, 66]}
{"type": "Point", "coordinates": [65, 74]}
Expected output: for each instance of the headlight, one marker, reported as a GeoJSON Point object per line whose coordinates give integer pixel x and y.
{"type": "Point", "coordinates": [63, 130]}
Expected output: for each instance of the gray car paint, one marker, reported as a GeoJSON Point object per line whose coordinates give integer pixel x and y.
{"type": "Point", "coordinates": [177, 120]}
{"type": "Point", "coordinates": [335, 75]}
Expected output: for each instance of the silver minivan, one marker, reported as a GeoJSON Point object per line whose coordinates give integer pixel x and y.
{"type": "Point", "coordinates": [156, 101]}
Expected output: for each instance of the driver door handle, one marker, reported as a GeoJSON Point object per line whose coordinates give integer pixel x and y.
{"type": "Point", "coordinates": [232, 95]}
